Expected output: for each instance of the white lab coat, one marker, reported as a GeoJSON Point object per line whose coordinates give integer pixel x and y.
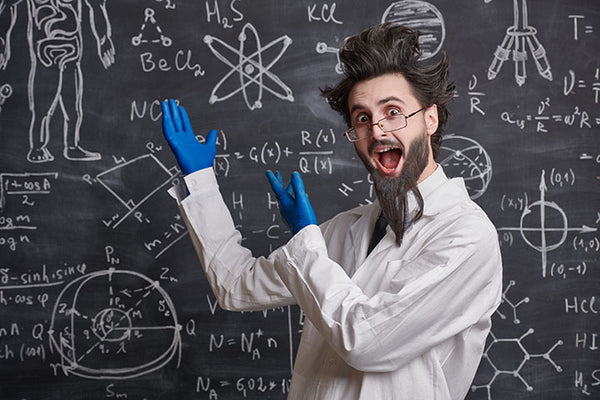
{"type": "Point", "coordinates": [406, 322]}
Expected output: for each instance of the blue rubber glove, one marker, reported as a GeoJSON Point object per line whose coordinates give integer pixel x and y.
{"type": "Point", "coordinates": [293, 201]}
{"type": "Point", "coordinates": [190, 153]}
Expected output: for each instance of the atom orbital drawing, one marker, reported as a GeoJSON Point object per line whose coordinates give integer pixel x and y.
{"type": "Point", "coordinates": [114, 324]}
{"type": "Point", "coordinates": [248, 73]}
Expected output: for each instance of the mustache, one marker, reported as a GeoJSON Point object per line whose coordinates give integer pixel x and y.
{"type": "Point", "coordinates": [393, 193]}
{"type": "Point", "coordinates": [385, 142]}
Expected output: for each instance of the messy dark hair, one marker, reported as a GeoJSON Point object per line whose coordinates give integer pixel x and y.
{"type": "Point", "coordinates": [388, 48]}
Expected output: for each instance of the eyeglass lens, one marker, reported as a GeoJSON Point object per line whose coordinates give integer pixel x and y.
{"type": "Point", "coordinates": [387, 124]}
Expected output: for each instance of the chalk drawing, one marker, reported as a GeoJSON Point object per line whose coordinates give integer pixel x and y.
{"type": "Point", "coordinates": [519, 38]}
{"type": "Point", "coordinates": [544, 225]}
{"type": "Point", "coordinates": [247, 65]}
{"type": "Point", "coordinates": [423, 16]}
{"type": "Point", "coordinates": [103, 324]}
{"type": "Point", "coordinates": [55, 38]}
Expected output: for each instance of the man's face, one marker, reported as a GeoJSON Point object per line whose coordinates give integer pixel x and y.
{"type": "Point", "coordinates": [397, 160]}
{"type": "Point", "coordinates": [389, 154]}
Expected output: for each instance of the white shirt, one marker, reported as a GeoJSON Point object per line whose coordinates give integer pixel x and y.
{"type": "Point", "coordinates": [406, 322]}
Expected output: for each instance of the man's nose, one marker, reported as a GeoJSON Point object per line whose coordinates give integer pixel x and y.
{"type": "Point", "coordinates": [377, 130]}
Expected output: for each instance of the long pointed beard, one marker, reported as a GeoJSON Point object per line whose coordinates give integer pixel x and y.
{"type": "Point", "coordinates": [392, 193]}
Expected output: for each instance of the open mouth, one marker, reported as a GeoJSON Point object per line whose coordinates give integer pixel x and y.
{"type": "Point", "coordinates": [389, 159]}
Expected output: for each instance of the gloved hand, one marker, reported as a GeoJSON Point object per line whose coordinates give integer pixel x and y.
{"type": "Point", "coordinates": [190, 153]}
{"type": "Point", "coordinates": [293, 201]}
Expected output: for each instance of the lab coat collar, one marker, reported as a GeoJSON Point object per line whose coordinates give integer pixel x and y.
{"type": "Point", "coordinates": [360, 230]}
{"type": "Point", "coordinates": [440, 193]}
{"type": "Point", "coordinates": [427, 187]}
{"type": "Point", "coordinates": [435, 192]}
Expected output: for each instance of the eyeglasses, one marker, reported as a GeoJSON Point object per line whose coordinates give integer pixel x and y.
{"type": "Point", "coordinates": [392, 123]}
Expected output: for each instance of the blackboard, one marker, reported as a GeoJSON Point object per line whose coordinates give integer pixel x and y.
{"type": "Point", "coordinates": [101, 294]}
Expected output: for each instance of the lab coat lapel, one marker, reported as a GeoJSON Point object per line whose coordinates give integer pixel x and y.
{"type": "Point", "coordinates": [387, 241]}
{"type": "Point", "coordinates": [361, 230]}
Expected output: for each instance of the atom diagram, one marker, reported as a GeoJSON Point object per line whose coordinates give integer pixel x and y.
{"type": "Point", "coordinates": [248, 66]}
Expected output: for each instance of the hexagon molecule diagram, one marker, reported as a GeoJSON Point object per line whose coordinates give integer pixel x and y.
{"type": "Point", "coordinates": [114, 324]}
{"type": "Point", "coordinates": [495, 356]}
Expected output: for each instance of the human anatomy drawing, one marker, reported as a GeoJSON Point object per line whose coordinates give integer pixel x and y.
{"type": "Point", "coordinates": [55, 40]}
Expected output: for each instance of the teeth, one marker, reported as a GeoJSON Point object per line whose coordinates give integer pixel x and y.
{"type": "Point", "coordinates": [386, 149]}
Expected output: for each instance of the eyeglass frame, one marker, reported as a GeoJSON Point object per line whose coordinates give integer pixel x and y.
{"type": "Point", "coordinates": [348, 131]}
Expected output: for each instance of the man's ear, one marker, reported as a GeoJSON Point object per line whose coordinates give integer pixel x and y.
{"type": "Point", "coordinates": [431, 119]}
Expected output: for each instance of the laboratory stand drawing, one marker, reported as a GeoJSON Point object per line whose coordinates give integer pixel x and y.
{"type": "Point", "coordinates": [55, 40]}
{"type": "Point", "coordinates": [518, 40]}
{"type": "Point", "coordinates": [248, 68]}
{"type": "Point", "coordinates": [114, 324]}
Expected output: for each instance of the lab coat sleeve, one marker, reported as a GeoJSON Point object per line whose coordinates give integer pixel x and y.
{"type": "Point", "coordinates": [238, 280]}
{"type": "Point", "coordinates": [383, 332]}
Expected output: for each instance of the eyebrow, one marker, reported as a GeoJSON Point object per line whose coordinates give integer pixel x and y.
{"type": "Point", "coordinates": [380, 102]}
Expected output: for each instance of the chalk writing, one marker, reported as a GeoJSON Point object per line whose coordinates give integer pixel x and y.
{"type": "Point", "coordinates": [101, 293]}
{"type": "Point", "coordinates": [324, 14]}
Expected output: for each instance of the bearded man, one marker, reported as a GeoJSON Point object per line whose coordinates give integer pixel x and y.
{"type": "Point", "coordinates": [392, 312]}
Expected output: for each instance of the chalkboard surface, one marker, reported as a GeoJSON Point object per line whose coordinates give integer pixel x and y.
{"type": "Point", "coordinates": [101, 294]}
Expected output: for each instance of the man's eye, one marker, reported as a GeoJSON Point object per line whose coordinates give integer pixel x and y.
{"type": "Point", "coordinates": [393, 112]}
{"type": "Point", "coordinates": [362, 119]}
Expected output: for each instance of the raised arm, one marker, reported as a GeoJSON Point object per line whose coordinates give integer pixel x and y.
{"type": "Point", "coordinates": [191, 155]}
{"type": "Point", "coordinates": [101, 29]}
{"type": "Point", "coordinates": [240, 281]}
{"type": "Point", "coordinates": [449, 290]}
{"type": "Point", "coordinates": [8, 18]}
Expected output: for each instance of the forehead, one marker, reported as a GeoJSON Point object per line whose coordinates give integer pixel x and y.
{"type": "Point", "coordinates": [370, 93]}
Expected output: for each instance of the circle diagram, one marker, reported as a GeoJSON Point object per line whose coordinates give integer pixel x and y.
{"type": "Point", "coordinates": [465, 158]}
{"type": "Point", "coordinates": [114, 324]}
{"type": "Point", "coordinates": [545, 229]}
{"type": "Point", "coordinates": [422, 16]}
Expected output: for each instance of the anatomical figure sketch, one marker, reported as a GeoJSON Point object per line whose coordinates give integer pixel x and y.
{"type": "Point", "coordinates": [55, 40]}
